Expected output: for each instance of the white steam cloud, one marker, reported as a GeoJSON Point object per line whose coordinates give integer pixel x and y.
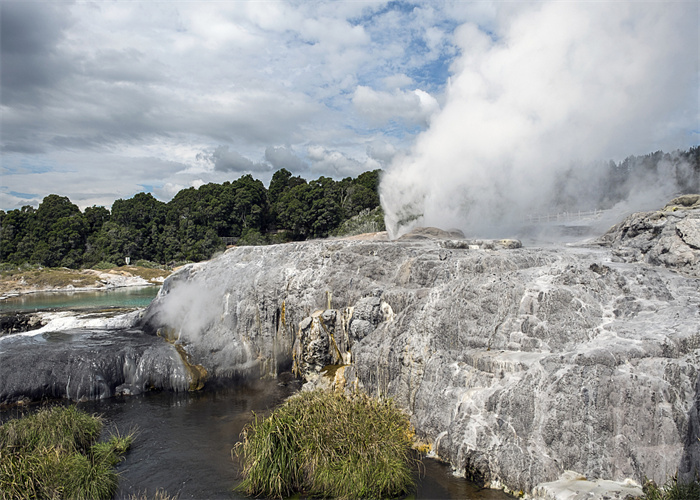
{"type": "Point", "coordinates": [552, 89]}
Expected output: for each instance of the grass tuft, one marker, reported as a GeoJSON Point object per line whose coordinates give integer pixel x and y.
{"type": "Point", "coordinates": [54, 453]}
{"type": "Point", "coordinates": [160, 494]}
{"type": "Point", "coordinates": [672, 490]}
{"type": "Point", "coordinates": [330, 445]}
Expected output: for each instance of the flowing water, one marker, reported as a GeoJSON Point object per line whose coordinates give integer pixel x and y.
{"type": "Point", "coordinates": [183, 440]}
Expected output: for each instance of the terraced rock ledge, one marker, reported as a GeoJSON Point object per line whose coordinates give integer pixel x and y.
{"type": "Point", "coordinates": [517, 365]}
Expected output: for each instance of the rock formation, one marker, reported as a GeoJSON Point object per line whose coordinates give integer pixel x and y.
{"type": "Point", "coordinates": [81, 365]}
{"type": "Point", "coordinates": [669, 237]}
{"type": "Point", "coordinates": [517, 364]}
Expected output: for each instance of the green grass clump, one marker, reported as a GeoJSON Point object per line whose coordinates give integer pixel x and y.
{"type": "Point", "coordinates": [54, 453]}
{"type": "Point", "coordinates": [330, 445]}
{"type": "Point", "coordinates": [160, 494]}
{"type": "Point", "coordinates": [672, 490]}
{"type": "Point", "coordinates": [103, 265]}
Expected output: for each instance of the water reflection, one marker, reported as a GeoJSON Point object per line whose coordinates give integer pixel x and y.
{"type": "Point", "coordinates": [135, 296]}
{"type": "Point", "coordinates": [184, 443]}
{"type": "Point", "coordinates": [184, 440]}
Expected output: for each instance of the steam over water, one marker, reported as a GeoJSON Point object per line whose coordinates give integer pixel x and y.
{"type": "Point", "coordinates": [183, 439]}
{"type": "Point", "coordinates": [537, 100]}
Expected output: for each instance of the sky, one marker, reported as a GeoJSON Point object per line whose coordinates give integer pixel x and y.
{"type": "Point", "coordinates": [454, 100]}
{"type": "Point", "coordinates": [102, 100]}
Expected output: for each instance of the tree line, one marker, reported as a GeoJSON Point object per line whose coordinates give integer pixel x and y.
{"type": "Point", "coordinates": [197, 221]}
{"type": "Point", "coordinates": [190, 227]}
{"type": "Point", "coordinates": [680, 170]}
{"type": "Point", "coordinates": [604, 184]}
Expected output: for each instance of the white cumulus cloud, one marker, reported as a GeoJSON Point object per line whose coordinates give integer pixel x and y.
{"type": "Point", "coordinates": [380, 107]}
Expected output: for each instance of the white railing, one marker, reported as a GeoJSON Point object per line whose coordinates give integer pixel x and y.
{"type": "Point", "coordinates": [564, 216]}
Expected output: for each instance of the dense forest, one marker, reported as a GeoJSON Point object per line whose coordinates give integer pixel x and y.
{"type": "Point", "coordinates": [198, 222]}
{"type": "Point", "coordinates": [194, 225]}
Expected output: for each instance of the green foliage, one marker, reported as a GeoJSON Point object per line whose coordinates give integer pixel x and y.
{"type": "Point", "coordinates": [188, 228]}
{"type": "Point", "coordinates": [672, 490]}
{"type": "Point", "coordinates": [252, 237]}
{"type": "Point", "coordinates": [18, 268]}
{"type": "Point", "coordinates": [54, 453]}
{"type": "Point", "coordinates": [329, 445]}
{"type": "Point", "coordinates": [148, 264]}
{"type": "Point", "coordinates": [367, 221]}
{"type": "Point", "coordinates": [104, 265]}
{"type": "Point", "coordinates": [159, 494]}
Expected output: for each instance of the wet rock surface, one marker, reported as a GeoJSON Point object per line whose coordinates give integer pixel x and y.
{"type": "Point", "coordinates": [15, 322]}
{"type": "Point", "coordinates": [87, 364]}
{"type": "Point", "coordinates": [517, 364]}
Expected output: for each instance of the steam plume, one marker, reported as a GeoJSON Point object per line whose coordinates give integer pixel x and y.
{"type": "Point", "coordinates": [532, 105]}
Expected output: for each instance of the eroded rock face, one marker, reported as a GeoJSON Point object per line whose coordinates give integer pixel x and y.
{"type": "Point", "coordinates": [517, 364]}
{"type": "Point", "coordinates": [669, 237]}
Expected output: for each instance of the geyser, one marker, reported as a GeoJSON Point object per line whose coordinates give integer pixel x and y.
{"type": "Point", "coordinates": [536, 101]}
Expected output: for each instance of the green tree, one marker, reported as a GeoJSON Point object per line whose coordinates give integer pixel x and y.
{"type": "Point", "coordinates": [141, 219]}
{"type": "Point", "coordinates": [95, 217]}
{"type": "Point", "coordinates": [58, 233]}
{"type": "Point", "coordinates": [15, 229]}
{"type": "Point", "coordinates": [294, 211]}
{"type": "Point", "coordinates": [326, 213]}
{"type": "Point", "coordinates": [278, 184]}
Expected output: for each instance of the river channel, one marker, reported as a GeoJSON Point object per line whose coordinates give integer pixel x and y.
{"type": "Point", "coordinates": [183, 440]}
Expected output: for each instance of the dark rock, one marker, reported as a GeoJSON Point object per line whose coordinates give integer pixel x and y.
{"type": "Point", "coordinates": [81, 365]}
{"type": "Point", "coordinates": [19, 322]}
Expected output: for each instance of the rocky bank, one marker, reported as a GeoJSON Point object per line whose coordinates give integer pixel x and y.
{"type": "Point", "coordinates": [516, 364]}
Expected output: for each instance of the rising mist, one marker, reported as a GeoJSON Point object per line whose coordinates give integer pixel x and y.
{"type": "Point", "coordinates": [535, 106]}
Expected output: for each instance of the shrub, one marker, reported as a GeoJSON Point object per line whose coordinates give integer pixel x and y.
{"type": "Point", "coordinates": [252, 237]}
{"type": "Point", "coordinates": [367, 221]}
{"type": "Point", "coordinates": [148, 264]}
{"type": "Point", "coordinates": [330, 445]}
{"type": "Point", "coordinates": [672, 490]}
{"type": "Point", "coordinates": [54, 453]}
{"type": "Point", "coordinates": [104, 265]}
{"type": "Point", "coordinates": [160, 494]}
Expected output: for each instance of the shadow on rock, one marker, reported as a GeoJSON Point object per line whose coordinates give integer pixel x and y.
{"type": "Point", "coordinates": [689, 468]}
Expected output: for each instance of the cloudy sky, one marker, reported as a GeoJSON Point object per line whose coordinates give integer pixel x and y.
{"type": "Point", "coordinates": [102, 100]}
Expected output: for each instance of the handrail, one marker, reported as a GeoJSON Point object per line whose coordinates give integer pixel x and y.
{"type": "Point", "coordinates": [563, 216]}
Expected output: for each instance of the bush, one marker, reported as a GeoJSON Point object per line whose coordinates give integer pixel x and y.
{"type": "Point", "coordinates": [148, 264]}
{"type": "Point", "coordinates": [160, 494]}
{"type": "Point", "coordinates": [672, 490]}
{"type": "Point", "coordinates": [252, 237]}
{"type": "Point", "coordinates": [330, 445]}
{"type": "Point", "coordinates": [54, 453]}
{"type": "Point", "coordinates": [367, 221]}
{"type": "Point", "coordinates": [9, 267]}
{"type": "Point", "coordinates": [104, 265]}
